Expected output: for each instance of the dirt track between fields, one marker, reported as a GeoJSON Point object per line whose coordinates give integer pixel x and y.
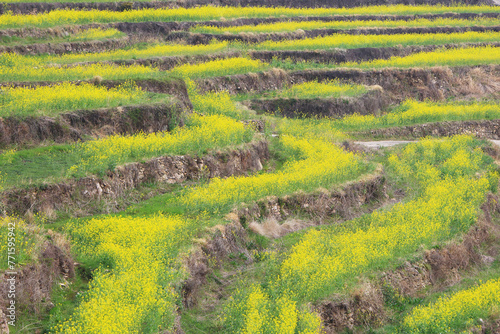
{"type": "Point", "coordinates": [382, 143]}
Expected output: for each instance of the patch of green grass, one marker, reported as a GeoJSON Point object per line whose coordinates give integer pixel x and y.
{"type": "Point", "coordinates": [200, 135]}
{"type": "Point", "coordinates": [66, 298]}
{"type": "Point", "coordinates": [23, 167]}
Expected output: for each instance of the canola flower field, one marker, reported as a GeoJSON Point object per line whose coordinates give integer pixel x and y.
{"type": "Point", "coordinates": [356, 41]}
{"type": "Point", "coordinates": [49, 100]}
{"type": "Point", "coordinates": [17, 68]}
{"type": "Point", "coordinates": [335, 41]}
{"type": "Point", "coordinates": [206, 13]}
{"type": "Point", "coordinates": [465, 306]}
{"type": "Point", "coordinates": [320, 226]}
{"type": "Point", "coordinates": [344, 25]}
{"type": "Point", "coordinates": [413, 112]}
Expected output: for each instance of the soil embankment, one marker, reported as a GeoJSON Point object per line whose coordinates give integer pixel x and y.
{"type": "Point", "coordinates": [484, 129]}
{"type": "Point", "coordinates": [79, 193]}
{"type": "Point", "coordinates": [435, 84]}
{"type": "Point", "coordinates": [89, 124]}
{"type": "Point", "coordinates": [369, 104]}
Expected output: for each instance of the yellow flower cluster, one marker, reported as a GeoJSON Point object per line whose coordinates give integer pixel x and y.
{"type": "Point", "coordinates": [356, 41]}
{"type": "Point", "coordinates": [257, 310]}
{"type": "Point", "coordinates": [413, 112]}
{"type": "Point", "coordinates": [321, 164]}
{"type": "Point", "coordinates": [355, 24]}
{"type": "Point", "coordinates": [203, 133]}
{"type": "Point", "coordinates": [132, 290]}
{"type": "Point", "coordinates": [255, 316]}
{"type": "Point", "coordinates": [49, 100]}
{"type": "Point", "coordinates": [218, 103]}
{"type": "Point", "coordinates": [19, 240]}
{"type": "Point", "coordinates": [430, 160]}
{"type": "Point", "coordinates": [206, 13]}
{"type": "Point", "coordinates": [9, 155]}
{"type": "Point", "coordinates": [452, 313]}
{"type": "Point", "coordinates": [14, 68]}
{"type": "Point", "coordinates": [220, 67]}
{"type": "Point", "coordinates": [324, 128]}
{"type": "Point", "coordinates": [314, 89]}
{"type": "Point", "coordinates": [446, 57]}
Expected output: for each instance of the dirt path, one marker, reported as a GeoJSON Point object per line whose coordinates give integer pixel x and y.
{"type": "Point", "coordinates": [496, 142]}
{"type": "Point", "coordinates": [390, 143]}
{"type": "Point", "coordinates": [383, 143]}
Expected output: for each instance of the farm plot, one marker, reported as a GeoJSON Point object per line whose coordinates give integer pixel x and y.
{"type": "Point", "coordinates": [205, 13]}
{"type": "Point", "coordinates": [193, 169]}
{"type": "Point", "coordinates": [344, 25]}
{"type": "Point", "coordinates": [51, 100]}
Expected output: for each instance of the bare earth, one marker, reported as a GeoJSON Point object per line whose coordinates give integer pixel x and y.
{"type": "Point", "coordinates": [384, 143]}
{"type": "Point", "coordinates": [496, 142]}
{"type": "Point", "coordinates": [389, 143]}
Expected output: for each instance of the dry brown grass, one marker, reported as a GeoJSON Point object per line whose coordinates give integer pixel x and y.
{"type": "Point", "coordinates": [272, 229]}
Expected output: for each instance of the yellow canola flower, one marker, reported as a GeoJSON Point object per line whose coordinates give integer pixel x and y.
{"type": "Point", "coordinates": [287, 319]}
{"type": "Point", "coordinates": [65, 96]}
{"type": "Point", "coordinates": [445, 57]}
{"type": "Point", "coordinates": [355, 41]}
{"type": "Point", "coordinates": [21, 241]}
{"type": "Point", "coordinates": [206, 13]}
{"type": "Point", "coordinates": [212, 103]}
{"type": "Point", "coordinates": [451, 196]}
{"type": "Point", "coordinates": [255, 318]}
{"type": "Point", "coordinates": [324, 89]}
{"type": "Point", "coordinates": [138, 293]}
{"type": "Point", "coordinates": [323, 129]}
{"type": "Point", "coordinates": [354, 24]}
{"type": "Point", "coordinates": [413, 112]}
{"type": "Point", "coordinates": [204, 132]}
{"type": "Point", "coordinates": [317, 266]}
{"type": "Point", "coordinates": [318, 263]}
{"type": "Point", "coordinates": [322, 164]}
{"type": "Point", "coordinates": [261, 316]}
{"type": "Point", "coordinates": [455, 311]}
{"type": "Point", "coordinates": [15, 67]}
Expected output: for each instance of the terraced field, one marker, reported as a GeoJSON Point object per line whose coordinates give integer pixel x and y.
{"type": "Point", "coordinates": [251, 167]}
